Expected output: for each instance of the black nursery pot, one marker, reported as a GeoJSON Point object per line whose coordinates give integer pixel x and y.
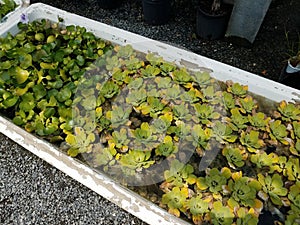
{"type": "Point", "coordinates": [156, 12]}
{"type": "Point", "coordinates": [109, 4]}
{"type": "Point", "coordinates": [290, 79]}
{"type": "Point", "coordinates": [211, 26]}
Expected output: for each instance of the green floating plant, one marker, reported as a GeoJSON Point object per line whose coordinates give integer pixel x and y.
{"type": "Point", "coordinates": [279, 163]}
{"type": "Point", "coordinates": [45, 123]}
{"type": "Point", "coordinates": [112, 63]}
{"type": "Point", "coordinates": [144, 136]}
{"type": "Point", "coordinates": [104, 156]}
{"type": "Point", "coordinates": [135, 160]}
{"type": "Point", "coordinates": [191, 96]}
{"type": "Point", "coordinates": [252, 141]}
{"type": "Point", "coordinates": [244, 190]}
{"type": "Point", "coordinates": [295, 133]}
{"type": "Point", "coordinates": [80, 142]}
{"type": "Point", "coordinates": [109, 89]}
{"type": "Point", "coordinates": [200, 137]}
{"type": "Point", "coordinates": [237, 121]}
{"type": "Point", "coordinates": [205, 113]}
{"type": "Point", "coordinates": [289, 111]}
{"type": "Point", "coordinates": [136, 97]}
{"type": "Point", "coordinates": [154, 60]}
{"type": "Point", "coordinates": [221, 215]}
{"type": "Point", "coordinates": [292, 169]}
{"type": "Point", "coordinates": [166, 148]}
{"type": "Point", "coordinates": [263, 159]}
{"type": "Point", "coordinates": [173, 92]}
{"type": "Point", "coordinates": [235, 156]}
{"type": "Point", "coordinates": [272, 187]}
{"type": "Point", "coordinates": [179, 175]}
{"type": "Point", "coordinates": [133, 64]}
{"type": "Point", "coordinates": [150, 71]}
{"type": "Point", "coordinates": [214, 180]}
{"type": "Point", "coordinates": [247, 104]}
{"type": "Point", "coordinates": [163, 82]}
{"type": "Point", "coordinates": [237, 89]}
{"type": "Point", "coordinates": [162, 123]}
{"type": "Point", "coordinates": [222, 132]}
{"type": "Point", "coordinates": [120, 140]}
{"type": "Point", "coordinates": [124, 51]}
{"type": "Point", "coordinates": [182, 77]}
{"type": "Point", "coordinates": [202, 78]}
{"type": "Point", "coordinates": [120, 77]}
{"type": "Point", "coordinates": [152, 106]}
{"type": "Point", "coordinates": [278, 132]}
{"type": "Point", "coordinates": [210, 94]}
{"type": "Point", "coordinates": [296, 130]}
{"type": "Point", "coordinates": [246, 217]}
{"type": "Point", "coordinates": [295, 149]}
{"type": "Point", "coordinates": [259, 120]}
{"type": "Point", "coordinates": [294, 197]}
{"type": "Point", "coordinates": [182, 112]}
{"type": "Point", "coordinates": [167, 68]}
{"type": "Point", "coordinates": [175, 200]}
{"type": "Point", "coordinates": [181, 130]}
{"type": "Point", "coordinates": [136, 84]}
{"type": "Point", "coordinates": [228, 100]}
{"type": "Point", "coordinates": [7, 99]}
{"type": "Point", "coordinates": [118, 115]}
{"type": "Point", "coordinates": [292, 219]}
{"type": "Point", "coordinates": [197, 206]}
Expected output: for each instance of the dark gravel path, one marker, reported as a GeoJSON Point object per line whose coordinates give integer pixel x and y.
{"type": "Point", "coordinates": [33, 192]}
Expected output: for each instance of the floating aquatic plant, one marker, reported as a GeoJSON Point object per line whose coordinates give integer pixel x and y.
{"type": "Point", "coordinates": [214, 180]}
{"type": "Point", "coordinates": [272, 187]}
{"type": "Point", "coordinates": [235, 156]}
{"type": "Point", "coordinates": [237, 89]}
{"type": "Point", "coordinates": [244, 190]}
{"type": "Point", "coordinates": [221, 215]}
{"type": "Point", "coordinates": [289, 111]}
{"type": "Point", "coordinates": [251, 141]}
{"type": "Point", "coordinates": [175, 200]}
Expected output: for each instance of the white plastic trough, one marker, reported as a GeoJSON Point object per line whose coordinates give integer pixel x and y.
{"type": "Point", "coordinates": [101, 184]}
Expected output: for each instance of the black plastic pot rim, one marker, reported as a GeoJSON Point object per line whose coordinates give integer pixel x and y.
{"type": "Point", "coordinates": [211, 15]}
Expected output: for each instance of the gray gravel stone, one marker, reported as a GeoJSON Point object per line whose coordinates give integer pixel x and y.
{"type": "Point", "coordinates": [33, 192]}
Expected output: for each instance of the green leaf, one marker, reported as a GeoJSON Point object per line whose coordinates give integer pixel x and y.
{"type": "Point", "coordinates": [21, 75]}
{"type": "Point", "coordinates": [25, 61]}
{"type": "Point", "coordinates": [197, 205]}
{"type": "Point", "coordinates": [39, 91]}
{"type": "Point", "coordinates": [59, 55]}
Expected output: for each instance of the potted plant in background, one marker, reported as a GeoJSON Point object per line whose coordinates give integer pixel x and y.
{"type": "Point", "coordinates": [156, 12]}
{"type": "Point", "coordinates": [291, 72]}
{"type": "Point", "coordinates": [212, 18]}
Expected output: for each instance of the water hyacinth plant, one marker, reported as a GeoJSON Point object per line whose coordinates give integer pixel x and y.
{"type": "Point", "coordinates": [145, 121]}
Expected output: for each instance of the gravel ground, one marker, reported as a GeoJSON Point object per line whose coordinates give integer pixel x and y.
{"type": "Point", "coordinates": [33, 192]}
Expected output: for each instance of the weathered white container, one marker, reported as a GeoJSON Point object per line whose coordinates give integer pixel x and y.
{"type": "Point", "coordinates": [100, 183]}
